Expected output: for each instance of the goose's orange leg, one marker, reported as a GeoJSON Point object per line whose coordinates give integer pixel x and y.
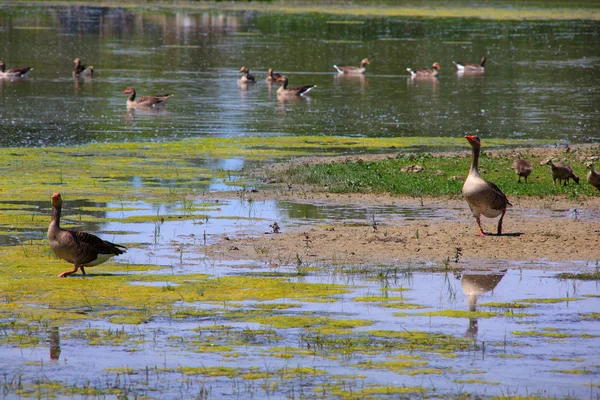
{"type": "Point", "coordinates": [67, 273]}
{"type": "Point", "coordinates": [481, 232]}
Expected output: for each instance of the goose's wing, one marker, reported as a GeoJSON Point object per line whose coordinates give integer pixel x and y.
{"type": "Point", "coordinates": [300, 89]}
{"type": "Point", "coordinates": [498, 200]}
{"type": "Point", "coordinates": [89, 246]}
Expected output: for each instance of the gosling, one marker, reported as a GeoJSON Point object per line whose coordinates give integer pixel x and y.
{"type": "Point", "coordinates": [522, 168]}
{"type": "Point", "coordinates": [561, 171]}
{"type": "Point", "coordinates": [593, 177]}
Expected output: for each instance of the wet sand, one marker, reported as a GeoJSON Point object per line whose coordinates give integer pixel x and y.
{"type": "Point", "coordinates": [541, 233]}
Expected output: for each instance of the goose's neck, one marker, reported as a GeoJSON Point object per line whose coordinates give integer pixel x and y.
{"type": "Point", "coordinates": [2, 67]}
{"type": "Point", "coordinates": [55, 216]}
{"type": "Point", "coordinates": [475, 162]}
{"type": "Point", "coordinates": [285, 83]}
{"type": "Point", "coordinates": [132, 95]}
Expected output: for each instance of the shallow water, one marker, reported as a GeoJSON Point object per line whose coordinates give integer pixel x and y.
{"type": "Point", "coordinates": [548, 348]}
{"type": "Point", "coordinates": [542, 82]}
{"type": "Point", "coordinates": [557, 354]}
{"type": "Point", "coordinates": [542, 79]}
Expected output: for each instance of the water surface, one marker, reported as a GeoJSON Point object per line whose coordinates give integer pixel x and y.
{"type": "Point", "coordinates": [542, 79]}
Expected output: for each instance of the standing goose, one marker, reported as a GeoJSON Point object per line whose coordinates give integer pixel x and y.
{"type": "Point", "coordinates": [522, 168]}
{"type": "Point", "coordinates": [145, 101]}
{"type": "Point", "coordinates": [483, 197]}
{"type": "Point", "coordinates": [247, 77]}
{"type": "Point", "coordinates": [273, 76]}
{"type": "Point", "coordinates": [593, 177]}
{"type": "Point", "coordinates": [425, 72]}
{"type": "Point", "coordinates": [352, 69]}
{"type": "Point", "coordinates": [13, 72]}
{"type": "Point", "coordinates": [471, 68]}
{"type": "Point", "coordinates": [284, 90]}
{"type": "Point", "coordinates": [82, 70]}
{"type": "Point", "coordinates": [561, 171]}
{"type": "Point", "coordinates": [79, 248]}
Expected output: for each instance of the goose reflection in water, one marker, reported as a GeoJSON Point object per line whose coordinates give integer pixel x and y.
{"type": "Point", "coordinates": [54, 336]}
{"type": "Point", "coordinates": [475, 284]}
{"type": "Point", "coordinates": [351, 79]}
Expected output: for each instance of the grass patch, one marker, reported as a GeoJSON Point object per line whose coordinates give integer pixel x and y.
{"type": "Point", "coordinates": [581, 276]}
{"type": "Point", "coordinates": [441, 176]}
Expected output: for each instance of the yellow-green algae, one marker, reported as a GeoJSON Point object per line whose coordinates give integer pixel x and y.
{"type": "Point", "coordinates": [33, 292]}
{"type": "Point", "coordinates": [573, 371]}
{"type": "Point", "coordinates": [548, 300]}
{"type": "Point", "coordinates": [375, 392]}
{"type": "Point", "coordinates": [567, 359]}
{"type": "Point", "coordinates": [424, 341]}
{"type": "Point", "coordinates": [554, 335]}
{"type": "Point", "coordinates": [593, 316]}
{"type": "Point", "coordinates": [401, 367]}
{"type": "Point", "coordinates": [475, 381]}
{"type": "Point", "coordinates": [472, 314]}
{"type": "Point", "coordinates": [504, 305]}
{"type": "Point", "coordinates": [166, 169]}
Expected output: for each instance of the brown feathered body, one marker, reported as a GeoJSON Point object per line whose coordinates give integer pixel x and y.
{"type": "Point", "coordinates": [247, 77]}
{"type": "Point", "coordinates": [273, 76]}
{"type": "Point", "coordinates": [78, 248]}
{"type": "Point", "coordinates": [82, 70]}
{"type": "Point", "coordinates": [483, 197]}
{"type": "Point", "coordinates": [522, 168]}
{"type": "Point", "coordinates": [353, 70]}
{"type": "Point", "coordinates": [13, 72]}
{"type": "Point", "coordinates": [145, 101]}
{"type": "Point", "coordinates": [561, 172]}
{"type": "Point", "coordinates": [284, 90]}
{"type": "Point", "coordinates": [425, 72]}
{"type": "Point", "coordinates": [471, 68]}
{"type": "Point", "coordinates": [593, 177]}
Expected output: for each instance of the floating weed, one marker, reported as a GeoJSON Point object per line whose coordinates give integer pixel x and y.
{"type": "Point", "coordinates": [342, 391]}
{"type": "Point", "coordinates": [582, 276]}
{"type": "Point", "coordinates": [548, 300]}
{"type": "Point", "coordinates": [567, 359]}
{"type": "Point", "coordinates": [287, 322]}
{"type": "Point", "coordinates": [553, 334]}
{"type": "Point", "coordinates": [104, 337]}
{"type": "Point", "coordinates": [573, 371]}
{"type": "Point", "coordinates": [475, 382]}
{"type": "Point", "coordinates": [593, 316]}
{"type": "Point", "coordinates": [505, 305]}
{"type": "Point", "coordinates": [472, 314]}
{"type": "Point", "coordinates": [506, 355]}
{"type": "Point", "coordinates": [377, 299]}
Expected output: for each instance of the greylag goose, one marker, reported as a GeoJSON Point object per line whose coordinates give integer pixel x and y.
{"type": "Point", "coordinates": [425, 72]}
{"type": "Point", "coordinates": [78, 248]}
{"type": "Point", "coordinates": [593, 177]}
{"type": "Point", "coordinates": [560, 171]}
{"type": "Point", "coordinates": [472, 68]}
{"type": "Point", "coordinates": [352, 69]}
{"type": "Point", "coordinates": [483, 197]}
{"type": "Point", "coordinates": [82, 70]}
{"type": "Point", "coordinates": [144, 101]}
{"type": "Point", "coordinates": [522, 168]}
{"type": "Point", "coordinates": [13, 72]}
{"type": "Point", "coordinates": [284, 90]}
{"type": "Point", "coordinates": [247, 77]}
{"type": "Point", "coordinates": [273, 76]}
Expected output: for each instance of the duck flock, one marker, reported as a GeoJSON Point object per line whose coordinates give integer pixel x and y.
{"type": "Point", "coordinates": [483, 197]}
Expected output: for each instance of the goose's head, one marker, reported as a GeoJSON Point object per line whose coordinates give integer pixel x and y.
{"type": "Point", "coordinates": [474, 141]}
{"type": "Point", "coordinates": [56, 200]}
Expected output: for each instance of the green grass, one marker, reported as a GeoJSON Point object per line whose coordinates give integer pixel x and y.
{"type": "Point", "coordinates": [442, 176]}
